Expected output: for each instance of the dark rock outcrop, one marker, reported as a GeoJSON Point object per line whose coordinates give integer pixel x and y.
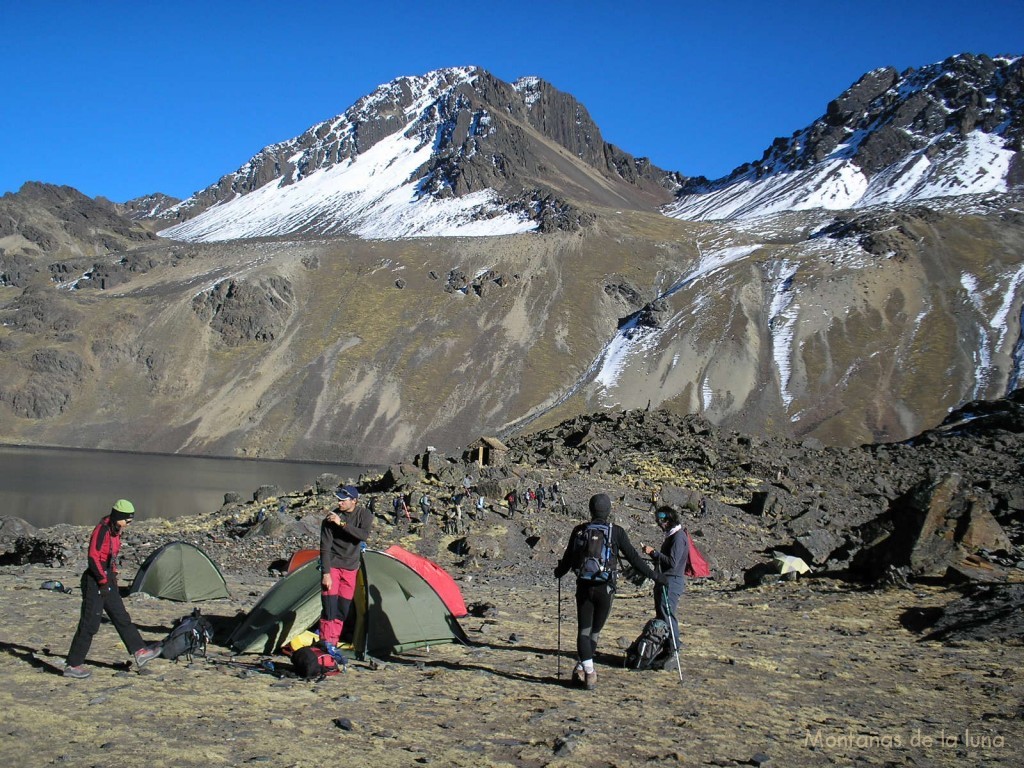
{"type": "Point", "coordinates": [246, 311]}
{"type": "Point", "coordinates": [934, 527]}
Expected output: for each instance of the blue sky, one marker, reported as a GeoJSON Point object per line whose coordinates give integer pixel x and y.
{"type": "Point", "coordinates": [122, 99]}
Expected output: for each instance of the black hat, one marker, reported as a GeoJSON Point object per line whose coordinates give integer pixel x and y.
{"type": "Point", "coordinates": [600, 506]}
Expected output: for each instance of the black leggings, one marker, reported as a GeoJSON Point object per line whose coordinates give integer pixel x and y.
{"type": "Point", "coordinates": [94, 602]}
{"type": "Point", "coordinates": [593, 604]}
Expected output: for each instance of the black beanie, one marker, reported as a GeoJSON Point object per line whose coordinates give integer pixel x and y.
{"type": "Point", "coordinates": [600, 506]}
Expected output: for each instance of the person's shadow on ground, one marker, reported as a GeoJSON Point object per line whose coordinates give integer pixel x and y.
{"type": "Point", "coordinates": [34, 658]}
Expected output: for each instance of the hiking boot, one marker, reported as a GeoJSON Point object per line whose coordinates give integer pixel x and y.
{"type": "Point", "coordinates": [591, 680]}
{"type": "Point", "coordinates": [145, 655]}
{"type": "Point", "coordinates": [578, 676]}
{"type": "Point", "coordinates": [79, 672]}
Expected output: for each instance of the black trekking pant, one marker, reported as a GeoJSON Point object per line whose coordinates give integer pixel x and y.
{"type": "Point", "coordinates": [94, 602]}
{"type": "Point", "coordinates": [593, 604]}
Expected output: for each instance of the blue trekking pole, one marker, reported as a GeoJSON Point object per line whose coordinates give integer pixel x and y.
{"type": "Point", "coordinates": [671, 629]}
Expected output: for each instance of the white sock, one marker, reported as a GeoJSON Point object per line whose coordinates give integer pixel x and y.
{"type": "Point", "coordinates": [588, 666]}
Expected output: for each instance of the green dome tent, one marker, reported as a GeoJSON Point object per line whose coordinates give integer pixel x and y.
{"type": "Point", "coordinates": [289, 607]}
{"type": "Point", "coordinates": [396, 609]}
{"type": "Point", "coordinates": [180, 571]}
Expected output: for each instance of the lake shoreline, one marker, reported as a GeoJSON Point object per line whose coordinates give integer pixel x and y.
{"type": "Point", "coordinates": [49, 485]}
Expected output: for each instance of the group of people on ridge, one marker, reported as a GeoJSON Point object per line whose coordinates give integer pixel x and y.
{"type": "Point", "coordinates": [591, 553]}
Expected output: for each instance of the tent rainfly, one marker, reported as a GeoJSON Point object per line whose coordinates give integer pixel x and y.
{"type": "Point", "coordinates": [395, 609]}
{"type": "Point", "coordinates": [435, 575]}
{"type": "Point", "coordinates": [301, 557]}
{"type": "Point", "coordinates": [180, 571]}
{"type": "Point", "coordinates": [790, 564]}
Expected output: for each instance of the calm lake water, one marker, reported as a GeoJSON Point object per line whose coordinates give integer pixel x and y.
{"type": "Point", "coordinates": [46, 486]}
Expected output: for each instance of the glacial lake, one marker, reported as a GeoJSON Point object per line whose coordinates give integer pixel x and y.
{"type": "Point", "coordinates": [47, 486]}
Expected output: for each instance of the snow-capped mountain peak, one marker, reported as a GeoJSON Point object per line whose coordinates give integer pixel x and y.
{"type": "Point", "coordinates": [454, 152]}
{"type": "Point", "coordinates": [953, 128]}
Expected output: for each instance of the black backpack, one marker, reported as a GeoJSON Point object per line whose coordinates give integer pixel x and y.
{"type": "Point", "coordinates": [188, 637]}
{"type": "Point", "coordinates": [593, 552]}
{"type": "Point", "coordinates": [651, 648]}
{"type": "Point", "coordinates": [313, 662]}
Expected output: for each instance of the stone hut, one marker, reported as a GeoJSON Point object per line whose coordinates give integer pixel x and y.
{"type": "Point", "coordinates": [486, 452]}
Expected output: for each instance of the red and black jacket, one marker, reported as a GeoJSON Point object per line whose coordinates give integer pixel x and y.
{"type": "Point", "coordinates": [104, 544]}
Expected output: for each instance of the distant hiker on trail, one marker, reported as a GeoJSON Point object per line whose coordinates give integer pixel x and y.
{"type": "Point", "coordinates": [342, 534]}
{"type": "Point", "coordinates": [424, 508]}
{"type": "Point", "coordinates": [670, 562]}
{"type": "Point", "coordinates": [100, 593]}
{"type": "Point", "coordinates": [592, 552]}
{"type": "Point", "coordinates": [457, 500]}
{"type": "Point", "coordinates": [401, 509]}
{"type": "Point", "coordinates": [481, 504]}
{"type": "Point", "coordinates": [449, 522]}
{"type": "Point", "coordinates": [511, 501]}
{"type": "Point", "coordinates": [539, 493]}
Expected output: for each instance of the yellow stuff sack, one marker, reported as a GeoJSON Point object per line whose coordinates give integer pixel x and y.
{"type": "Point", "coordinates": [301, 640]}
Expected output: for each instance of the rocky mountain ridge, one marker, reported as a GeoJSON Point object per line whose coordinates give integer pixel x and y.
{"type": "Point", "coordinates": [951, 128]}
{"type": "Point", "coordinates": [519, 156]}
{"type": "Point", "coordinates": [59, 231]}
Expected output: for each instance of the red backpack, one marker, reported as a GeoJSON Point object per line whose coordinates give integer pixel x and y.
{"type": "Point", "coordinates": [696, 566]}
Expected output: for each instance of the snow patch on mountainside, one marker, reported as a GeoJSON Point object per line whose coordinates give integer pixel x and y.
{"type": "Point", "coordinates": [1002, 291]}
{"type": "Point", "coordinates": [373, 196]}
{"type": "Point", "coordinates": [633, 341]}
{"type": "Point", "coordinates": [978, 164]}
{"type": "Point", "coordinates": [782, 316]}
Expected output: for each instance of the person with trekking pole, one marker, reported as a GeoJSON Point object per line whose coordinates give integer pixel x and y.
{"type": "Point", "coordinates": [100, 593]}
{"type": "Point", "coordinates": [670, 563]}
{"type": "Point", "coordinates": [592, 553]}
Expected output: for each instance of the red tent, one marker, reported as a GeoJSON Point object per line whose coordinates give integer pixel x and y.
{"type": "Point", "coordinates": [436, 576]}
{"type": "Point", "coordinates": [301, 557]}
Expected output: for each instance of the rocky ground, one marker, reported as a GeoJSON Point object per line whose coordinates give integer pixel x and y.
{"type": "Point", "coordinates": [805, 673]}
{"type": "Point", "coordinates": [902, 646]}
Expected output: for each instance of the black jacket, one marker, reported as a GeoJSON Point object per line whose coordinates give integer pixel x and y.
{"type": "Point", "coordinates": [674, 554]}
{"type": "Point", "coordinates": [621, 547]}
{"type": "Point", "coordinates": [339, 544]}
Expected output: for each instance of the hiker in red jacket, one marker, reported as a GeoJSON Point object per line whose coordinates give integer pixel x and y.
{"type": "Point", "coordinates": [595, 570]}
{"type": "Point", "coordinates": [342, 535]}
{"type": "Point", "coordinates": [100, 593]}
